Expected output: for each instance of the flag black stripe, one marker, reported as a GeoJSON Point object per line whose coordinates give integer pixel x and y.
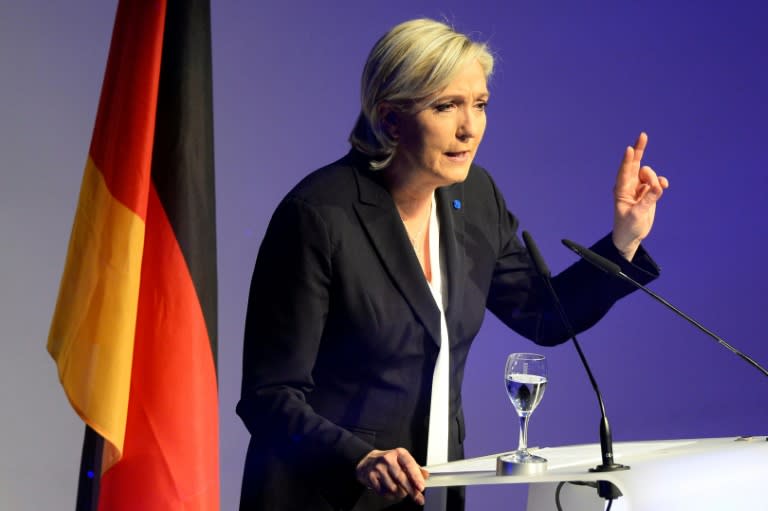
{"type": "Point", "coordinates": [182, 159]}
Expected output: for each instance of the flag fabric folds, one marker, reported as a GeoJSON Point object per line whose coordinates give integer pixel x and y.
{"type": "Point", "coordinates": [134, 330]}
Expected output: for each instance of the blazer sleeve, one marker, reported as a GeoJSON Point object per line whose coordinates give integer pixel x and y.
{"type": "Point", "coordinates": [520, 299]}
{"type": "Point", "coordinates": [287, 309]}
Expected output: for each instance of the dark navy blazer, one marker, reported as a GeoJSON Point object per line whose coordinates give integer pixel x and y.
{"type": "Point", "coordinates": [342, 332]}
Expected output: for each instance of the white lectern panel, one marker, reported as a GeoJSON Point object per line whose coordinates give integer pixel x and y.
{"type": "Point", "coordinates": [670, 475]}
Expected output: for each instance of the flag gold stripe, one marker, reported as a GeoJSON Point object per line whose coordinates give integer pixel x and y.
{"type": "Point", "coordinates": [92, 332]}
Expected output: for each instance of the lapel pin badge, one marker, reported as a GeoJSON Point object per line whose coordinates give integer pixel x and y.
{"type": "Point", "coordinates": [456, 204]}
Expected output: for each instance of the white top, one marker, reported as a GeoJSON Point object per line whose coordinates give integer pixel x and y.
{"type": "Point", "coordinates": [437, 445]}
{"type": "Point", "coordinates": [439, 420]}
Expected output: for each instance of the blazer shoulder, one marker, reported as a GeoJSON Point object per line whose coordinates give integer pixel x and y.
{"type": "Point", "coordinates": [479, 180]}
{"type": "Point", "coordinates": [330, 185]}
{"type": "Point", "coordinates": [325, 199]}
{"type": "Point", "coordinates": [481, 193]}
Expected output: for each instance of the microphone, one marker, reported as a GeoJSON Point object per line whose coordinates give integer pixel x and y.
{"type": "Point", "coordinates": [614, 269]}
{"type": "Point", "coordinates": [606, 489]}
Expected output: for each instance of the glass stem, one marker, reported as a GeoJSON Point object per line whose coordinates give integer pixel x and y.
{"type": "Point", "coordinates": [523, 442]}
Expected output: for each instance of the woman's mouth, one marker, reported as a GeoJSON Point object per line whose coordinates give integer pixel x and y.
{"type": "Point", "coordinates": [458, 156]}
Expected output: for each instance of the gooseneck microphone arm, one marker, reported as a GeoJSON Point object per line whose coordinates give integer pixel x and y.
{"type": "Point", "coordinates": [606, 440]}
{"type": "Point", "coordinates": [614, 269]}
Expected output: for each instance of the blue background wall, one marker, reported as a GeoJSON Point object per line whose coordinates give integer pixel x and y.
{"type": "Point", "coordinates": [574, 84]}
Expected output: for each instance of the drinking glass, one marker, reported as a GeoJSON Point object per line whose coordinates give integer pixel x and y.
{"type": "Point", "coordinates": [525, 378]}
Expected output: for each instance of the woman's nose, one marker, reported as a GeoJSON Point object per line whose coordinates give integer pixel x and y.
{"type": "Point", "coordinates": [467, 126]}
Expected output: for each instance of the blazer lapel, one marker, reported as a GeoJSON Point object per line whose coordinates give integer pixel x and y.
{"type": "Point", "coordinates": [450, 204]}
{"type": "Point", "coordinates": [381, 221]}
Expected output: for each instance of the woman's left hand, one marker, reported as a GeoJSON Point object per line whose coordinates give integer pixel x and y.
{"type": "Point", "coordinates": [637, 190]}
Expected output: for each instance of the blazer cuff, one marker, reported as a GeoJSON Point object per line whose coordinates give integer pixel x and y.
{"type": "Point", "coordinates": [643, 269]}
{"type": "Point", "coordinates": [351, 449]}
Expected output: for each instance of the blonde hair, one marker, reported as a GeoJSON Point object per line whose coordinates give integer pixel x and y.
{"type": "Point", "coordinates": [406, 68]}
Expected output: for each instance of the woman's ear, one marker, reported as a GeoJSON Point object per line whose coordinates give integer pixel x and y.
{"type": "Point", "coordinates": [389, 120]}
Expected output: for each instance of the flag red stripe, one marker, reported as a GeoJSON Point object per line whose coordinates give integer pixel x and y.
{"type": "Point", "coordinates": [170, 456]}
{"type": "Point", "coordinates": [124, 130]}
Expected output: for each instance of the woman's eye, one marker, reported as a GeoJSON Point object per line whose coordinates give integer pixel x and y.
{"type": "Point", "coordinates": [443, 107]}
{"type": "Point", "coordinates": [483, 105]}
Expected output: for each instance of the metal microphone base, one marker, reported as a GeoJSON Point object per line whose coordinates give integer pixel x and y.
{"type": "Point", "coordinates": [609, 468]}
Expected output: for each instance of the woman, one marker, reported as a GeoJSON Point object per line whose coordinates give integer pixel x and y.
{"type": "Point", "coordinates": [373, 277]}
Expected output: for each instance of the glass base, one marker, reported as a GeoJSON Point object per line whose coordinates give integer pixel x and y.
{"type": "Point", "coordinates": [520, 463]}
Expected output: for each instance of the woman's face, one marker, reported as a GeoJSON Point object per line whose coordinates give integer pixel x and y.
{"type": "Point", "coordinates": [439, 142]}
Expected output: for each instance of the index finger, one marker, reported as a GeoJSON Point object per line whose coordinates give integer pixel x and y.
{"type": "Point", "coordinates": [630, 163]}
{"type": "Point", "coordinates": [640, 143]}
{"type": "Point", "coordinates": [411, 469]}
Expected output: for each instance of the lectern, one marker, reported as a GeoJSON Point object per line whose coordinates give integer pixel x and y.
{"type": "Point", "coordinates": [671, 475]}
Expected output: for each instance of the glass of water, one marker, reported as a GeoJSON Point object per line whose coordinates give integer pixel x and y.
{"type": "Point", "coordinates": [525, 378]}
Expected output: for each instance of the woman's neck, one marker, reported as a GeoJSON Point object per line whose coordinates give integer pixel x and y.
{"type": "Point", "coordinates": [411, 195]}
{"type": "Point", "coordinates": [413, 199]}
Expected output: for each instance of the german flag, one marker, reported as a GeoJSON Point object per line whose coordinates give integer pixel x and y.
{"type": "Point", "coordinates": [134, 330]}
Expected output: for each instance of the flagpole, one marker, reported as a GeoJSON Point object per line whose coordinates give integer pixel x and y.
{"type": "Point", "coordinates": [90, 471]}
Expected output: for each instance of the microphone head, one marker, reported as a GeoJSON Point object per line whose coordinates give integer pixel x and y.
{"type": "Point", "coordinates": [597, 260]}
{"type": "Point", "coordinates": [538, 260]}
{"type": "Point", "coordinates": [575, 247]}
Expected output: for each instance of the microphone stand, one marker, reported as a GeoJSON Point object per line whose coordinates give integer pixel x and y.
{"type": "Point", "coordinates": [605, 489]}
{"type": "Point", "coordinates": [614, 269]}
